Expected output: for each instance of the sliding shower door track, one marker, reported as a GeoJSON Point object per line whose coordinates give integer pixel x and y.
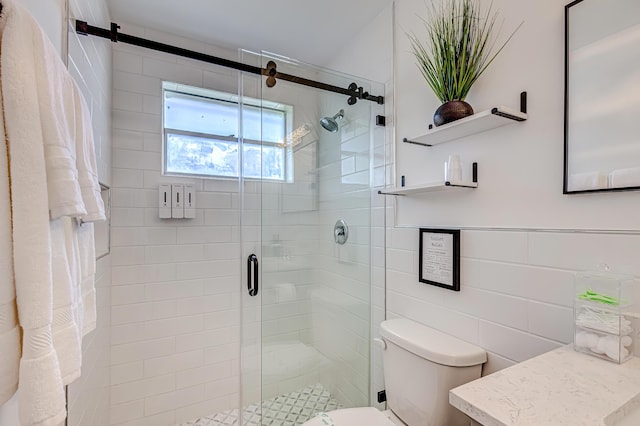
{"type": "Point", "coordinates": [354, 92]}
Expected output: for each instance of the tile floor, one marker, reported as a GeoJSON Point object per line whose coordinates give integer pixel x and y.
{"type": "Point", "coordinates": [290, 409]}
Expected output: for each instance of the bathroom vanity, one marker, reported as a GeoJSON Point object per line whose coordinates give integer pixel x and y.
{"type": "Point", "coordinates": [561, 387]}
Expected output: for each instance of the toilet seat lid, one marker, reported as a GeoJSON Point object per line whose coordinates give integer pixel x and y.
{"type": "Point", "coordinates": [351, 417]}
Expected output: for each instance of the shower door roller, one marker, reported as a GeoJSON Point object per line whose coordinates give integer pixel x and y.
{"type": "Point", "coordinates": [341, 232]}
{"type": "Point", "coordinates": [252, 285]}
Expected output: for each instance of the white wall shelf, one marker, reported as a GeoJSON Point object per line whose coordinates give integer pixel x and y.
{"type": "Point", "coordinates": [476, 123]}
{"type": "Point", "coordinates": [435, 186]}
{"type": "Point", "coordinates": [428, 187]}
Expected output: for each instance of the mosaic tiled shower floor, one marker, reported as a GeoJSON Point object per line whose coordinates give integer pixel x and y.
{"type": "Point", "coordinates": [290, 409]}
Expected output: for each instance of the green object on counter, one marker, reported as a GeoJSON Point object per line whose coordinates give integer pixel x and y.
{"type": "Point", "coordinates": [597, 297]}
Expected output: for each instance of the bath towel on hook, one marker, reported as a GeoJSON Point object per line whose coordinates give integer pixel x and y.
{"type": "Point", "coordinates": [9, 329]}
{"type": "Point", "coordinates": [52, 172]}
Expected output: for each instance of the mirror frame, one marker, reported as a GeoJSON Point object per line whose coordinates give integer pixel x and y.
{"type": "Point", "coordinates": [566, 115]}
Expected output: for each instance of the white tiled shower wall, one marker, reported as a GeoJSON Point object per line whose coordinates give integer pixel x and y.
{"type": "Point", "coordinates": [175, 293]}
{"type": "Point", "coordinates": [317, 329]}
{"type": "Point", "coordinates": [516, 284]}
{"type": "Point", "coordinates": [277, 356]}
{"type": "Point", "coordinates": [89, 61]}
{"type": "Point", "coordinates": [375, 41]}
{"type": "Point", "coordinates": [177, 283]}
{"type": "Point", "coordinates": [341, 301]}
{"type": "Point", "coordinates": [90, 64]}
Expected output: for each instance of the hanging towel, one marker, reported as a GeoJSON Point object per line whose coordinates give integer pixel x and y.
{"type": "Point", "coordinates": [65, 261]}
{"type": "Point", "coordinates": [56, 101]}
{"type": "Point", "coordinates": [9, 330]}
{"type": "Point", "coordinates": [87, 307]}
{"type": "Point", "coordinates": [86, 161]}
{"type": "Point", "coordinates": [92, 199]}
{"type": "Point", "coordinates": [41, 392]}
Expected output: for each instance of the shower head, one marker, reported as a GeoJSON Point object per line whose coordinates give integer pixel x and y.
{"type": "Point", "coordinates": [331, 123]}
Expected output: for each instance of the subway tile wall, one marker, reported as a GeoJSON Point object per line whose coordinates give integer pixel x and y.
{"type": "Point", "coordinates": [341, 300]}
{"type": "Point", "coordinates": [516, 293]}
{"type": "Point", "coordinates": [517, 286]}
{"type": "Point", "coordinates": [178, 292]}
{"type": "Point", "coordinates": [89, 61]}
{"type": "Point", "coordinates": [278, 354]}
{"type": "Point", "coordinates": [375, 41]}
{"type": "Point", "coordinates": [175, 282]}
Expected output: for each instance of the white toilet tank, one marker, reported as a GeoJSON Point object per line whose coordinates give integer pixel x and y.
{"type": "Point", "coordinates": [421, 365]}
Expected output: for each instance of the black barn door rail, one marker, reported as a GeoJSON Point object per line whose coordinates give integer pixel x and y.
{"type": "Point", "coordinates": [353, 91]}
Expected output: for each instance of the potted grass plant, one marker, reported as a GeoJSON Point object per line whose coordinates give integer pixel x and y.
{"type": "Point", "coordinates": [458, 48]}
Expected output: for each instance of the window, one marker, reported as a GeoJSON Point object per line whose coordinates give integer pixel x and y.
{"type": "Point", "coordinates": [201, 134]}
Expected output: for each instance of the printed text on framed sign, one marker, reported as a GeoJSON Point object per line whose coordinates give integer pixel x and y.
{"type": "Point", "coordinates": [440, 258]}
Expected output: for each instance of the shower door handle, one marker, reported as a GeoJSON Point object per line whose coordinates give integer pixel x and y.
{"type": "Point", "coordinates": [252, 285]}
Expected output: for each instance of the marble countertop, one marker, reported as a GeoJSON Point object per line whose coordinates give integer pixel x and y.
{"type": "Point", "coordinates": [561, 387]}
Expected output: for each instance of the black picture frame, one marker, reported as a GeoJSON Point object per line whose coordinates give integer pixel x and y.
{"type": "Point", "coordinates": [439, 258]}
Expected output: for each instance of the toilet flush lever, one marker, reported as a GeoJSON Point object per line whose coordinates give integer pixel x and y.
{"type": "Point", "coordinates": [341, 232]}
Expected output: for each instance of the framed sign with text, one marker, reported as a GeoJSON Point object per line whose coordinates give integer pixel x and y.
{"type": "Point", "coordinates": [440, 258]}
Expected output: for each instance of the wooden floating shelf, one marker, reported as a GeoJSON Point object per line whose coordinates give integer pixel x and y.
{"type": "Point", "coordinates": [476, 123]}
{"type": "Point", "coordinates": [428, 187]}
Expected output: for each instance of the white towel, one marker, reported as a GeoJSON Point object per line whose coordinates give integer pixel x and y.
{"type": "Point", "coordinates": [41, 393]}
{"type": "Point", "coordinates": [587, 181]}
{"type": "Point", "coordinates": [621, 178]}
{"type": "Point", "coordinates": [58, 120]}
{"type": "Point", "coordinates": [67, 340]}
{"type": "Point", "coordinates": [87, 307]}
{"type": "Point", "coordinates": [9, 330]}
{"type": "Point", "coordinates": [86, 161]}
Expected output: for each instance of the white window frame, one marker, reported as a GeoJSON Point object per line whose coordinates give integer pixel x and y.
{"type": "Point", "coordinates": [237, 100]}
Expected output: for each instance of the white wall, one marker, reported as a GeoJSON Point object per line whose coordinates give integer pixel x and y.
{"type": "Point", "coordinates": [290, 230]}
{"type": "Point", "coordinates": [369, 55]}
{"type": "Point", "coordinates": [176, 293]}
{"type": "Point", "coordinates": [50, 15]}
{"type": "Point", "coordinates": [286, 242]}
{"type": "Point", "coordinates": [89, 62]}
{"type": "Point", "coordinates": [341, 301]}
{"type": "Point", "coordinates": [176, 283]}
{"type": "Point", "coordinates": [516, 282]}
{"type": "Point", "coordinates": [520, 165]}
{"type": "Point", "coordinates": [90, 65]}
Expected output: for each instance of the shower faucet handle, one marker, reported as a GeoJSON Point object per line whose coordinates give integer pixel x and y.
{"type": "Point", "coordinates": [341, 232]}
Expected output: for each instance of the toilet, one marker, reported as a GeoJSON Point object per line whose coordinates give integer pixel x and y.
{"type": "Point", "coordinates": [421, 365]}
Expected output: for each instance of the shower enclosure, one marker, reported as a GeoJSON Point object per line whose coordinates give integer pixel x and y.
{"type": "Point", "coordinates": [307, 314]}
{"type": "Point", "coordinates": [260, 309]}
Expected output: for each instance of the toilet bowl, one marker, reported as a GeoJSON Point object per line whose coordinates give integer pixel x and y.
{"type": "Point", "coordinates": [421, 365]}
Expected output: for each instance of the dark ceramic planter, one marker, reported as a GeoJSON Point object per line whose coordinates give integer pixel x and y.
{"type": "Point", "coordinates": [451, 111]}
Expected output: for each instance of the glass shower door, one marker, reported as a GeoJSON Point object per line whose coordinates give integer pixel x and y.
{"type": "Point", "coordinates": [315, 246]}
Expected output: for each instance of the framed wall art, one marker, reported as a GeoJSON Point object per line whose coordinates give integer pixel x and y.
{"type": "Point", "coordinates": [440, 258]}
